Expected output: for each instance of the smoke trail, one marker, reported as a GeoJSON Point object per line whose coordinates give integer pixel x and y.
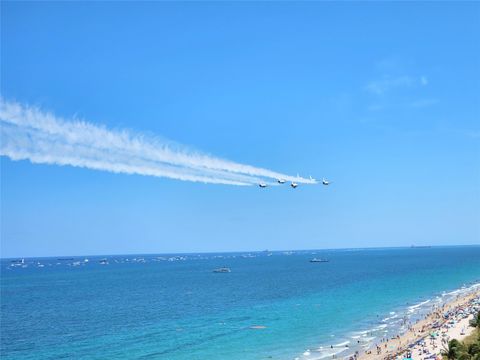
{"type": "Point", "coordinates": [28, 133]}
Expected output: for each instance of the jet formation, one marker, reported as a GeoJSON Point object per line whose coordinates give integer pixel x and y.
{"type": "Point", "coordinates": [293, 184]}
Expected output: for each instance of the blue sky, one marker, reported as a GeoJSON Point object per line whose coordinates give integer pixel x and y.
{"type": "Point", "coordinates": [383, 98]}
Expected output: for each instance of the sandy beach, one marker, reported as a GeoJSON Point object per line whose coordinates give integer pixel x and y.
{"type": "Point", "coordinates": [426, 338]}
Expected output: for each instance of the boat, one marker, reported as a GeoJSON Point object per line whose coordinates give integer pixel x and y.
{"type": "Point", "coordinates": [19, 262]}
{"type": "Point", "coordinates": [103, 262]}
{"type": "Point", "coordinates": [315, 260]}
{"type": "Point", "coordinates": [222, 270]}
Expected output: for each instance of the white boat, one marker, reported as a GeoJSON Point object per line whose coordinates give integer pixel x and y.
{"type": "Point", "coordinates": [222, 270]}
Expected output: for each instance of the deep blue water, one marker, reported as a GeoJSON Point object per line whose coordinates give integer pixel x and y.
{"type": "Point", "coordinates": [160, 309]}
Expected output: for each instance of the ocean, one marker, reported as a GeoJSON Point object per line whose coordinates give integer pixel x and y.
{"type": "Point", "coordinates": [272, 305]}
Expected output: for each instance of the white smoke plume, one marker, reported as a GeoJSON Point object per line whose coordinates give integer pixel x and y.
{"type": "Point", "coordinates": [29, 133]}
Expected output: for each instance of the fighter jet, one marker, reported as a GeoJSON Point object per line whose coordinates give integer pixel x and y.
{"type": "Point", "coordinates": [262, 185]}
{"type": "Point", "coordinates": [293, 184]}
{"type": "Point", "coordinates": [326, 182]}
{"type": "Point", "coordinates": [281, 181]}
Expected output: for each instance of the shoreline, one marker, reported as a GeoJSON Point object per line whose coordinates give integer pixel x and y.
{"type": "Point", "coordinates": [398, 331]}
{"type": "Point", "coordinates": [427, 337]}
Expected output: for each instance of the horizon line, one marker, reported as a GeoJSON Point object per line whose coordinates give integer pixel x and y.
{"type": "Point", "coordinates": [249, 251]}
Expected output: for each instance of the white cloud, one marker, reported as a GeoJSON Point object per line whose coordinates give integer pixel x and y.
{"type": "Point", "coordinates": [388, 83]}
{"type": "Point", "coordinates": [29, 133]}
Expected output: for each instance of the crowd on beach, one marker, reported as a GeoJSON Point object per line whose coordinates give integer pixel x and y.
{"type": "Point", "coordinates": [428, 337]}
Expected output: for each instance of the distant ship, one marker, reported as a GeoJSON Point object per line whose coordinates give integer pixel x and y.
{"type": "Point", "coordinates": [222, 270]}
{"type": "Point", "coordinates": [319, 260]}
{"type": "Point", "coordinates": [19, 262]}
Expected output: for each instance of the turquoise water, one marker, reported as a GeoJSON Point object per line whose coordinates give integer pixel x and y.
{"type": "Point", "coordinates": [175, 307]}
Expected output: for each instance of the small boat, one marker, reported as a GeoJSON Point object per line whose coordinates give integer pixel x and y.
{"type": "Point", "coordinates": [222, 270]}
{"type": "Point", "coordinates": [103, 262]}
{"type": "Point", "coordinates": [314, 260]}
{"type": "Point", "coordinates": [19, 262]}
